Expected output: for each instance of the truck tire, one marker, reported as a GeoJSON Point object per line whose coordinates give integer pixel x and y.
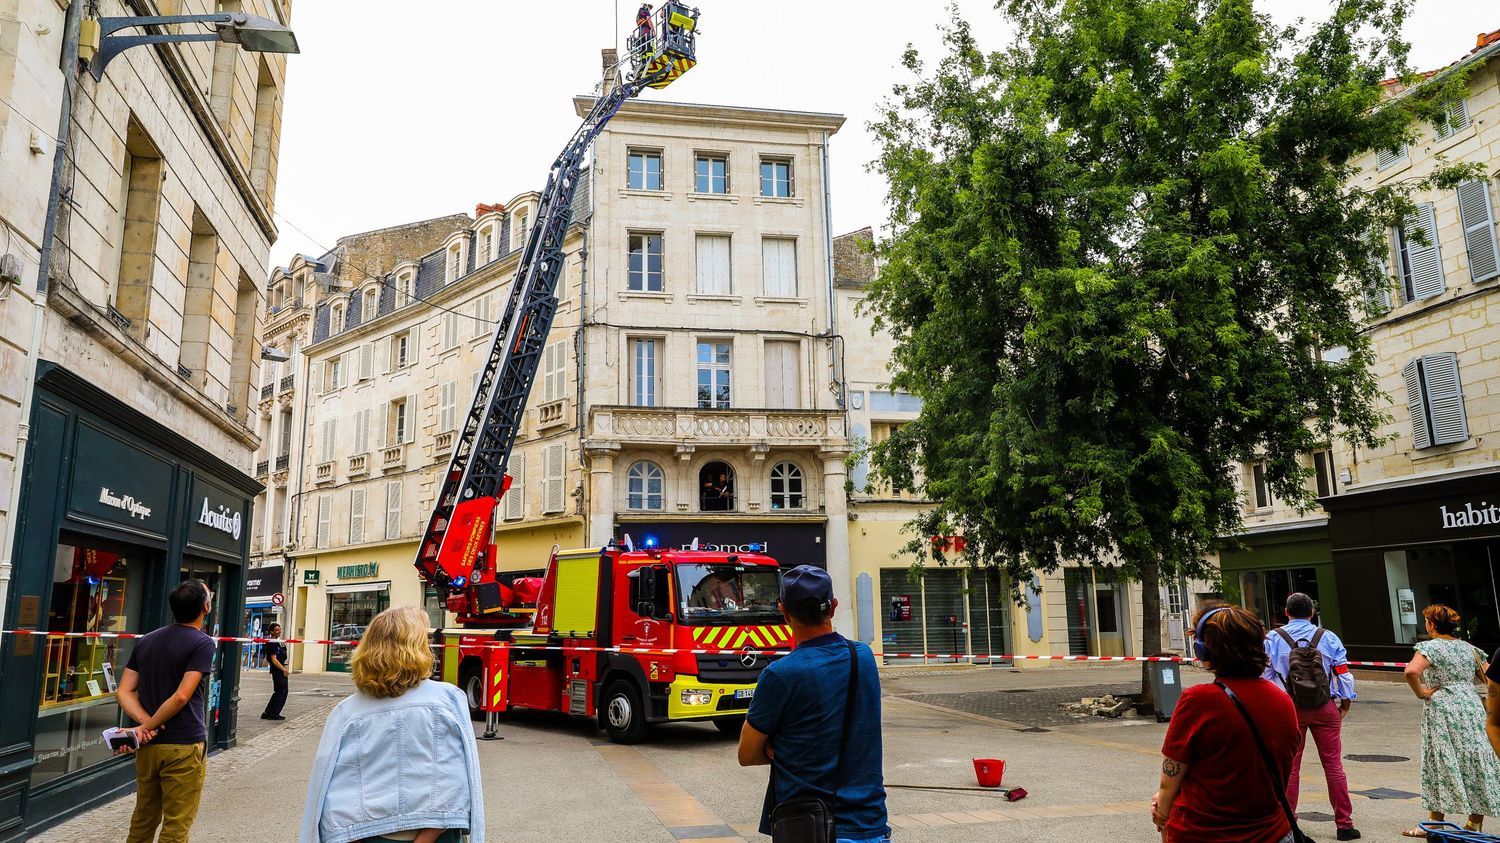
{"type": "Point", "coordinates": [623, 714]}
{"type": "Point", "coordinates": [471, 682]}
{"type": "Point", "coordinates": [729, 725]}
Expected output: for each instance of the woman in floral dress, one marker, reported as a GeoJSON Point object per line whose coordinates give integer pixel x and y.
{"type": "Point", "coordinates": [1460, 772]}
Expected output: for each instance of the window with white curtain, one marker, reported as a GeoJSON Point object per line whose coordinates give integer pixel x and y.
{"type": "Point", "coordinates": [713, 264]}
{"type": "Point", "coordinates": [779, 266]}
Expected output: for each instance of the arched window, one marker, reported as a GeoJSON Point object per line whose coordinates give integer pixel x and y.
{"type": "Point", "coordinates": [371, 305]}
{"type": "Point", "coordinates": [644, 486]}
{"type": "Point", "coordinates": [486, 244]}
{"type": "Point", "coordinates": [786, 486]}
{"type": "Point", "coordinates": [336, 319]}
{"type": "Point", "coordinates": [716, 487]}
{"type": "Point", "coordinates": [404, 284]}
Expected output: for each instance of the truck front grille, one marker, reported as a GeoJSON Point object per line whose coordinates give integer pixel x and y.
{"type": "Point", "coordinates": [732, 669]}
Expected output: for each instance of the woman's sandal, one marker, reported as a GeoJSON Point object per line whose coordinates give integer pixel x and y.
{"type": "Point", "coordinates": [1415, 831]}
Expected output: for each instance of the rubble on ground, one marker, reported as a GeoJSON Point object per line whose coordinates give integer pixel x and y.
{"type": "Point", "coordinates": [1108, 705]}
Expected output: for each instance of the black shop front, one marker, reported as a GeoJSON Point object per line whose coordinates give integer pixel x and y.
{"type": "Point", "coordinates": [115, 511]}
{"type": "Point", "coordinates": [789, 542]}
{"type": "Point", "coordinates": [1398, 550]}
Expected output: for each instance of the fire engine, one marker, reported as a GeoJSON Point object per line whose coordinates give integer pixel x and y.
{"type": "Point", "coordinates": [599, 634]}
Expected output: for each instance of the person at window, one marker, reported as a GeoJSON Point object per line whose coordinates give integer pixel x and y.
{"type": "Point", "coordinates": [718, 493]}
{"type": "Point", "coordinates": [1323, 716]}
{"type": "Point", "coordinates": [162, 691]}
{"type": "Point", "coordinates": [275, 652]}
{"type": "Point", "coordinates": [397, 760]}
{"type": "Point", "coordinates": [826, 679]}
{"type": "Point", "coordinates": [1460, 773]}
{"type": "Point", "coordinates": [1215, 784]}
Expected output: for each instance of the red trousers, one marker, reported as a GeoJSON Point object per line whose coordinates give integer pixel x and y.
{"type": "Point", "coordinates": [1326, 728]}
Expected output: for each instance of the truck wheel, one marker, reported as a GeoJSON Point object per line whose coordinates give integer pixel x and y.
{"type": "Point", "coordinates": [729, 725]}
{"type": "Point", "coordinates": [471, 682]}
{"type": "Point", "coordinates": [623, 715]}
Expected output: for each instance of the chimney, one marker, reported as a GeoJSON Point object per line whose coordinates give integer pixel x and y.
{"type": "Point", "coordinates": [611, 57]}
{"type": "Point", "coordinates": [481, 209]}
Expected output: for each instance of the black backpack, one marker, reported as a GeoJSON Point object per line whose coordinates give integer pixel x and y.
{"type": "Point", "coordinates": [1306, 681]}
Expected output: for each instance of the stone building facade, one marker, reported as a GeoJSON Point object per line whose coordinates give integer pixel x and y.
{"type": "Point", "coordinates": [1393, 533]}
{"type": "Point", "coordinates": [139, 441]}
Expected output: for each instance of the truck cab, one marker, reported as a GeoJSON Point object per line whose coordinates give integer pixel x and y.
{"type": "Point", "coordinates": [632, 637]}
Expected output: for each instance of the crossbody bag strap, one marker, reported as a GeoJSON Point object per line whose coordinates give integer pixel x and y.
{"type": "Point", "coordinates": [838, 763]}
{"type": "Point", "coordinates": [1265, 757]}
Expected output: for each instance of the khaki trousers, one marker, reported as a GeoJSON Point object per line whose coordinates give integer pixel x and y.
{"type": "Point", "coordinates": [168, 783]}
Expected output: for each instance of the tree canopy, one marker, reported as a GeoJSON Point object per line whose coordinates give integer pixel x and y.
{"type": "Point", "coordinates": [1115, 251]}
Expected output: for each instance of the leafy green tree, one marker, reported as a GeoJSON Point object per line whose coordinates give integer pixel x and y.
{"type": "Point", "coordinates": [1115, 250]}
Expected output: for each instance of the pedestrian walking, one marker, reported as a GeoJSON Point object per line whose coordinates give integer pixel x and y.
{"type": "Point", "coordinates": [815, 719]}
{"type": "Point", "coordinates": [1229, 747]}
{"type": "Point", "coordinates": [397, 760]}
{"type": "Point", "coordinates": [275, 652]}
{"type": "Point", "coordinates": [162, 691]}
{"type": "Point", "coordinates": [1313, 666]}
{"type": "Point", "coordinates": [1460, 773]}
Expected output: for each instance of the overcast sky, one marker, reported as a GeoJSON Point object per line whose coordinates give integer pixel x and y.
{"type": "Point", "coordinates": [398, 111]}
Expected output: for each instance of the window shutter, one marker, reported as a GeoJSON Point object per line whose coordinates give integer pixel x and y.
{"type": "Point", "coordinates": [1415, 402]}
{"type": "Point", "coordinates": [1445, 399]}
{"type": "Point", "coordinates": [448, 406]}
{"type": "Point", "coordinates": [1387, 158]}
{"type": "Point", "coordinates": [382, 438]}
{"type": "Point", "coordinates": [356, 516]}
{"type": "Point", "coordinates": [1458, 119]}
{"type": "Point", "coordinates": [367, 361]}
{"type": "Point", "coordinates": [392, 510]}
{"type": "Point", "coordinates": [552, 482]}
{"type": "Point", "coordinates": [515, 499]}
{"type": "Point", "coordinates": [325, 517]}
{"type": "Point", "coordinates": [362, 432]}
{"type": "Point", "coordinates": [555, 375]}
{"type": "Point", "coordinates": [450, 330]}
{"type": "Point", "coordinates": [383, 353]}
{"type": "Point", "coordinates": [329, 428]}
{"type": "Point", "coordinates": [713, 264]}
{"type": "Point", "coordinates": [1478, 218]}
{"type": "Point", "coordinates": [1378, 295]}
{"type": "Point", "coordinates": [315, 378]}
{"type": "Point", "coordinates": [411, 418]}
{"type": "Point", "coordinates": [790, 393]}
{"type": "Point", "coordinates": [779, 266]}
{"type": "Point", "coordinates": [1426, 261]}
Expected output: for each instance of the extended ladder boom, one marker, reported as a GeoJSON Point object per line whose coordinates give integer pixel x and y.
{"type": "Point", "coordinates": [456, 554]}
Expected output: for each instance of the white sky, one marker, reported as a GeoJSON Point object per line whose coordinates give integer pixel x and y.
{"type": "Point", "coordinates": [400, 111]}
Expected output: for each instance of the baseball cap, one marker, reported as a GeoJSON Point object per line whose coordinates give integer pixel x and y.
{"type": "Point", "coordinates": [806, 582]}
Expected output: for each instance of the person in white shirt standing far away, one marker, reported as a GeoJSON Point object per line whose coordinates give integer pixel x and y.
{"type": "Point", "coordinates": [1312, 665]}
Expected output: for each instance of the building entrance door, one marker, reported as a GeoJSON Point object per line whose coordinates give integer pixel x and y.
{"type": "Point", "coordinates": [212, 574]}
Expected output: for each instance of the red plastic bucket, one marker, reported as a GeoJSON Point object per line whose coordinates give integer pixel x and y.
{"type": "Point", "coordinates": [989, 771]}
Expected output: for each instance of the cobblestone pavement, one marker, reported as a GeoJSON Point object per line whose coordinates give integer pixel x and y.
{"type": "Point", "coordinates": [1036, 707]}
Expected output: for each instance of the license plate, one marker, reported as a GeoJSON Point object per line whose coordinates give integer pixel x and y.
{"type": "Point", "coordinates": [744, 693]}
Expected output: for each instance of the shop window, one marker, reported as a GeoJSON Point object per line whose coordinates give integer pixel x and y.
{"type": "Point", "coordinates": [93, 590]}
{"type": "Point", "coordinates": [1265, 592]}
{"type": "Point", "coordinates": [1095, 612]}
{"type": "Point", "coordinates": [786, 486]}
{"type": "Point", "coordinates": [716, 487]}
{"type": "Point", "coordinates": [349, 615]}
{"type": "Point", "coordinates": [1459, 575]}
{"type": "Point", "coordinates": [644, 481]}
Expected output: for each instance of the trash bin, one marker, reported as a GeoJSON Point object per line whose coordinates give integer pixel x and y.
{"type": "Point", "coordinates": [1166, 687]}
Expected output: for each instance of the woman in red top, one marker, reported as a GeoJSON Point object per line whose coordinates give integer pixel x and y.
{"type": "Point", "coordinates": [1214, 782]}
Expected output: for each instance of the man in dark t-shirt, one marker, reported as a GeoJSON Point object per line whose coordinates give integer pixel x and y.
{"type": "Point", "coordinates": [796, 718]}
{"type": "Point", "coordinates": [275, 652]}
{"type": "Point", "coordinates": [162, 691]}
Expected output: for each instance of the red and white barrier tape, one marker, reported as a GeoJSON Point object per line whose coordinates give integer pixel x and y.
{"type": "Point", "coordinates": [646, 651]}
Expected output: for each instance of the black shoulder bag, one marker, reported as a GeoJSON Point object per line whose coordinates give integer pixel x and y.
{"type": "Point", "coordinates": [1270, 765]}
{"type": "Point", "coordinates": [810, 818]}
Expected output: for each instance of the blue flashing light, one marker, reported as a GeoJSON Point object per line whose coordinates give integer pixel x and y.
{"type": "Point", "coordinates": [93, 580]}
{"type": "Point", "coordinates": [458, 582]}
{"type": "Point", "coordinates": [755, 547]}
{"type": "Point", "coordinates": [650, 542]}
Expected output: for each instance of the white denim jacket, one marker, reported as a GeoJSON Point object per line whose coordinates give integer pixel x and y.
{"type": "Point", "coordinates": [396, 764]}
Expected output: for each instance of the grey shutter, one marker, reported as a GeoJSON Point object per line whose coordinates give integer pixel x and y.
{"type": "Point", "coordinates": [1378, 295]}
{"type": "Point", "coordinates": [1478, 218]}
{"type": "Point", "coordinates": [1416, 402]}
{"type": "Point", "coordinates": [367, 361]}
{"type": "Point", "coordinates": [356, 516]}
{"type": "Point", "coordinates": [552, 484]}
{"type": "Point", "coordinates": [393, 510]}
{"type": "Point", "coordinates": [1426, 261]}
{"type": "Point", "coordinates": [1387, 158]}
{"type": "Point", "coordinates": [1445, 399]}
{"type": "Point", "coordinates": [515, 499]}
{"type": "Point", "coordinates": [1458, 120]}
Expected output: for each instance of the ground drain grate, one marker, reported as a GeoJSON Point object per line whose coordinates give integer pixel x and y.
{"type": "Point", "coordinates": [1387, 793]}
{"type": "Point", "coordinates": [1315, 817]}
{"type": "Point", "coordinates": [1035, 730]}
{"type": "Point", "coordinates": [1377, 759]}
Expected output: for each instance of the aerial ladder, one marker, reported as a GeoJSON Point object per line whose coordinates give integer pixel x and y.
{"type": "Point", "coordinates": [457, 554]}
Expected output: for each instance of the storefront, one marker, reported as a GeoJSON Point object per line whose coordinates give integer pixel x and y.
{"type": "Point", "coordinates": [1398, 550]}
{"type": "Point", "coordinates": [1277, 562]}
{"type": "Point", "coordinates": [264, 599]}
{"type": "Point", "coordinates": [790, 542]}
{"type": "Point", "coordinates": [115, 511]}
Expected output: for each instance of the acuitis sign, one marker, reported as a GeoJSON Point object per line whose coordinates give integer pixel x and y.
{"type": "Point", "coordinates": [1484, 515]}
{"type": "Point", "coordinates": [221, 519]}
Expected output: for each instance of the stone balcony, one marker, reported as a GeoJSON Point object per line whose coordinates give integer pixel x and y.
{"type": "Point", "coordinates": [690, 427]}
{"type": "Point", "coordinates": [442, 444]}
{"type": "Point", "coordinates": [359, 465]}
{"type": "Point", "coordinates": [323, 472]}
{"type": "Point", "coordinates": [393, 458]}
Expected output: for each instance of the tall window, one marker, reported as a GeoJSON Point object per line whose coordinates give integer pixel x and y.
{"type": "Point", "coordinates": [644, 170]}
{"type": "Point", "coordinates": [455, 262]}
{"type": "Point", "coordinates": [776, 177]}
{"type": "Point", "coordinates": [393, 510]}
{"type": "Point", "coordinates": [1435, 396]}
{"type": "Point", "coordinates": [645, 486]}
{"type": "Point", "coordinates": [483, 307]}
{"type": "Point", "coordinates": [333, 374]}
{"type": "Point", "coordinates": [779, 266]}
{"type": "Point", "coordinates": [783, 384]}
{"type": "Point", "coordinates": [1421, 261]}
{"type": "Point", "coordinates": [136, 228]}
{"type": "Point", "coordinates": [1260, 490]}
{"type": "Point", "coordinates": [643, 373]}
{"type": "Point", "coordinates": [1455, 119]}
{"type": "Point", "coordinates": [405, 283]}
{"type": "Point", "coordinates": [450, 329]}
{"type": "Point", "coordinates": [554, 372]}
{"type": "Point", "coordinates": [400, 422]}
{"type": "Point", "coordinates": [1323, 473]}
{"type": "Point", "coordinates": [713, 375]}
{"type": "Point", "coordinates": [716, 487]}
{"type": "Point", "coordinates": [519, 230]}
{"type": "Point", "coordinates": [336, 319]}
{"type": "Point", "coordinates": [356, 516]}
{"type": "Point", "coordinates": [711, 174]}
{"type": "Point", "coordinates": [645, 263]}
{"type": "Point", "coordinates": [487, 239]}
{"type": "Point", "coordinates": [401, 348]}
{"type": "Point", "coordinates": [448, 406]}
{"type": "Point", "coordinates": [713, 264]}
{"type": "Point", "coordinates": [367, 311]}
{"type": "Point", "coordinates": [786, 486]}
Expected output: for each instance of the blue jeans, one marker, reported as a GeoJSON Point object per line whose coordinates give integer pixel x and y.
{"type": "Point", "coordinates": [881, 839]}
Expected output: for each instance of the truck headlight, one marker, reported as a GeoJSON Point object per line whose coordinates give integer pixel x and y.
{"type": "Point", "coordinates": [697, 696]}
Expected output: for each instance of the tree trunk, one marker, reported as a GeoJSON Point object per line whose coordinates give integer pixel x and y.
{"type": "Point", "coordinates": [1150, 628]}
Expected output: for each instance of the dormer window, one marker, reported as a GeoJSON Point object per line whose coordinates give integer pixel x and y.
{"type": "Point", "coordinates": [404, 283]}
{"type": "Point", "coordinates": [518, 230]}
{"type": "Point", "coordinates": [456, 262]}
{"type": "Point", "coordinates": [370, 306]}
{"type": "Point", "coordinates": [336, 319]}
{"type": "Point", "coordinates": [487, 244]}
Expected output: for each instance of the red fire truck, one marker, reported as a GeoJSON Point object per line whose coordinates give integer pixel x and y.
{"type": "Point", "coordinates": [614, 636]}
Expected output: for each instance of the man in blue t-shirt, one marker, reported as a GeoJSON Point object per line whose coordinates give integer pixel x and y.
{"type": "Point", "coordinates": [796, 720]}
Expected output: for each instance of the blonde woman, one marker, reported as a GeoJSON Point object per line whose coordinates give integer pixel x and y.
{"type": "Point", "coordinates": [397, 761]}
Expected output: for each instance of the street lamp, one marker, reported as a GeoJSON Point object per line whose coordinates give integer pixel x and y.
{"type": "Point", "coordinates": [100, 44]}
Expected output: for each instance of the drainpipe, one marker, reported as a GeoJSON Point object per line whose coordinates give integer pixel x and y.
{"type": "Point", "coordinates": [39, 302]}
{"type": "Point", "coordinates": [833, 328]}
{"type": "Point", "coordinates": [580, 352]}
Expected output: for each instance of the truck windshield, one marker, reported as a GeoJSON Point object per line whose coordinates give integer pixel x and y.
{"type": "Point", "coordinates": [728, 594]}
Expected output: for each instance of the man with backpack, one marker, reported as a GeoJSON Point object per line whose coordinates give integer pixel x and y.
{"type": "Point", "coordinates": [1312, 665]}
